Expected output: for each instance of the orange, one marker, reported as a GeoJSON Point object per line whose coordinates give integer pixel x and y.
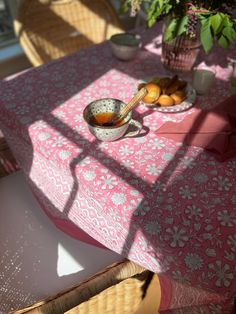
{"type": "Point", "coordinates": [153, 94]}
{"type": "Point", "coordinates": [178, 96]}
{"type": "Point", "coordinates": [165, 100]}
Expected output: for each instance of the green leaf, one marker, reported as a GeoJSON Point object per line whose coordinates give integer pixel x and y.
{"type": "Point", "coordinates": [170, 30]}
{"type": "Point", "coordinates": [152, 9]}
{"type": "Point", "coordinates": [206, 35]}
{"type": "Point", "coordinates": [234, 34]}
{"type": "Point", "coordinates": [176, 27]}
{"type": "Point", "coordinates": [151, 21]}
{"type": "Point", "coordinates": [216, 20]}
{"type": "Point", "coordinates": [229, 33]}
{"type": "Point", "coordinates": [223, 23]}
{"type": "Point", "coordinates": [181, 25]}
{"type": "Point", "coordinates": [223, 42]}
{"type": "Point", "coordinates": [161, 2]}
{"type": "Point", "coordinates": [124, 7]}
{"type": "Point", "coordinates": [153, 12]}
{"type": "Point", "coordinates": [167, 8]}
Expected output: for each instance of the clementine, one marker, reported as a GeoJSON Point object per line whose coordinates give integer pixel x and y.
{"type": "Point", "coordinates": [153, 94]}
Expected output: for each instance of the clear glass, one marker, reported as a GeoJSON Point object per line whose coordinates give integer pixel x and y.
{"type": "Point", "coordinates": [233, 79]}
{"type": "Point", "coordinates": [203, 80]}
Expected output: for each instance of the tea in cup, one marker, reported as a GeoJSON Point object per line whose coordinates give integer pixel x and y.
{"type": "Point", "coordinates": [98, 115]}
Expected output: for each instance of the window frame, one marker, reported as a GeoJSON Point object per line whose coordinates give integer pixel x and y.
{"type": "Point", "coordinates": [11, 5]}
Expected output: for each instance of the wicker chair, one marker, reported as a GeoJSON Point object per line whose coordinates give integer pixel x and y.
{"type": "Point", "coordinates": [121, 288]}
{"type": "Point", "coordinates": [50, 29]}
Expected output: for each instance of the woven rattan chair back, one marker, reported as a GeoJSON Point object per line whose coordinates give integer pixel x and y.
{"type": "Point", "coordinates": [121, 295]}
{"type": "Point", "coordinates": [50, 29]}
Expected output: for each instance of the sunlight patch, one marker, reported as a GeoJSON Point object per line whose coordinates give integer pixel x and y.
{"type": "Point", "coordinates": [66, 264]}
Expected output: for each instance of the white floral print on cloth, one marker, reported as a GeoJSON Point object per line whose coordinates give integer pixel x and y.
{"type": "Point", "coordinates": [169, 207]}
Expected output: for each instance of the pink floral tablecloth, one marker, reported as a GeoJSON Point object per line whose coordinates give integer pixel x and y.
{"type": "Point", "coordinates": [166, 206]}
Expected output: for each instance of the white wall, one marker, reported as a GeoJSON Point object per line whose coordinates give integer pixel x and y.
{"type": "Point", "coordinates": [12, 60]}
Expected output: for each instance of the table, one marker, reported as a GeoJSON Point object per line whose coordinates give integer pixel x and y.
{"type": "Point", "coordinates": [166, 206]}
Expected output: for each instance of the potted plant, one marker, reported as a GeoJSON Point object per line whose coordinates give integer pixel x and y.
{"type": "Point", "coordinates": [203, 22]}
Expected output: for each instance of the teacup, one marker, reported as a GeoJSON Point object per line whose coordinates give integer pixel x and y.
{"type": "Point", "coordinates": [109, 133]}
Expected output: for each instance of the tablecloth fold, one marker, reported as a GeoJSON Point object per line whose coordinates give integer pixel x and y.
{"type": "Point", "coordinates": [213, 130]}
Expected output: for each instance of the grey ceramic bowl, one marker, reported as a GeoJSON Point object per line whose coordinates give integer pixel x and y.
{"type": "Point", "coordinates": [125, 46]}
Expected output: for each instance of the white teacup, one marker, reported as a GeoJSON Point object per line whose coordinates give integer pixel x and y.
{"type": "Point", "coordinates": [203, 79]}
{"type": "Point", "coordinates": [109, 133]}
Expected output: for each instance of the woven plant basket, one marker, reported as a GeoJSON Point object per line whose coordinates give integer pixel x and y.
{"type": "Point", "coordinates": [180, 54]}
{"type": "Point", "coordinates": [119, 289]}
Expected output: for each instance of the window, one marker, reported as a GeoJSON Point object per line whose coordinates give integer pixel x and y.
{"type": "Point", "coordinates": [7, 13]}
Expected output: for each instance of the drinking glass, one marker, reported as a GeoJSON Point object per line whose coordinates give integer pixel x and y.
{"type": "Point", "coordinates": [203, 80]}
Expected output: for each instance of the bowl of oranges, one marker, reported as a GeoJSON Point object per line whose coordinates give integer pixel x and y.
{"type": "Point", "coordinates": [168, 94]}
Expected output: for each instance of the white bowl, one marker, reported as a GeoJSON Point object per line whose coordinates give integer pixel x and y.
{"type": "Point", "coordinates": [125, 46]}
